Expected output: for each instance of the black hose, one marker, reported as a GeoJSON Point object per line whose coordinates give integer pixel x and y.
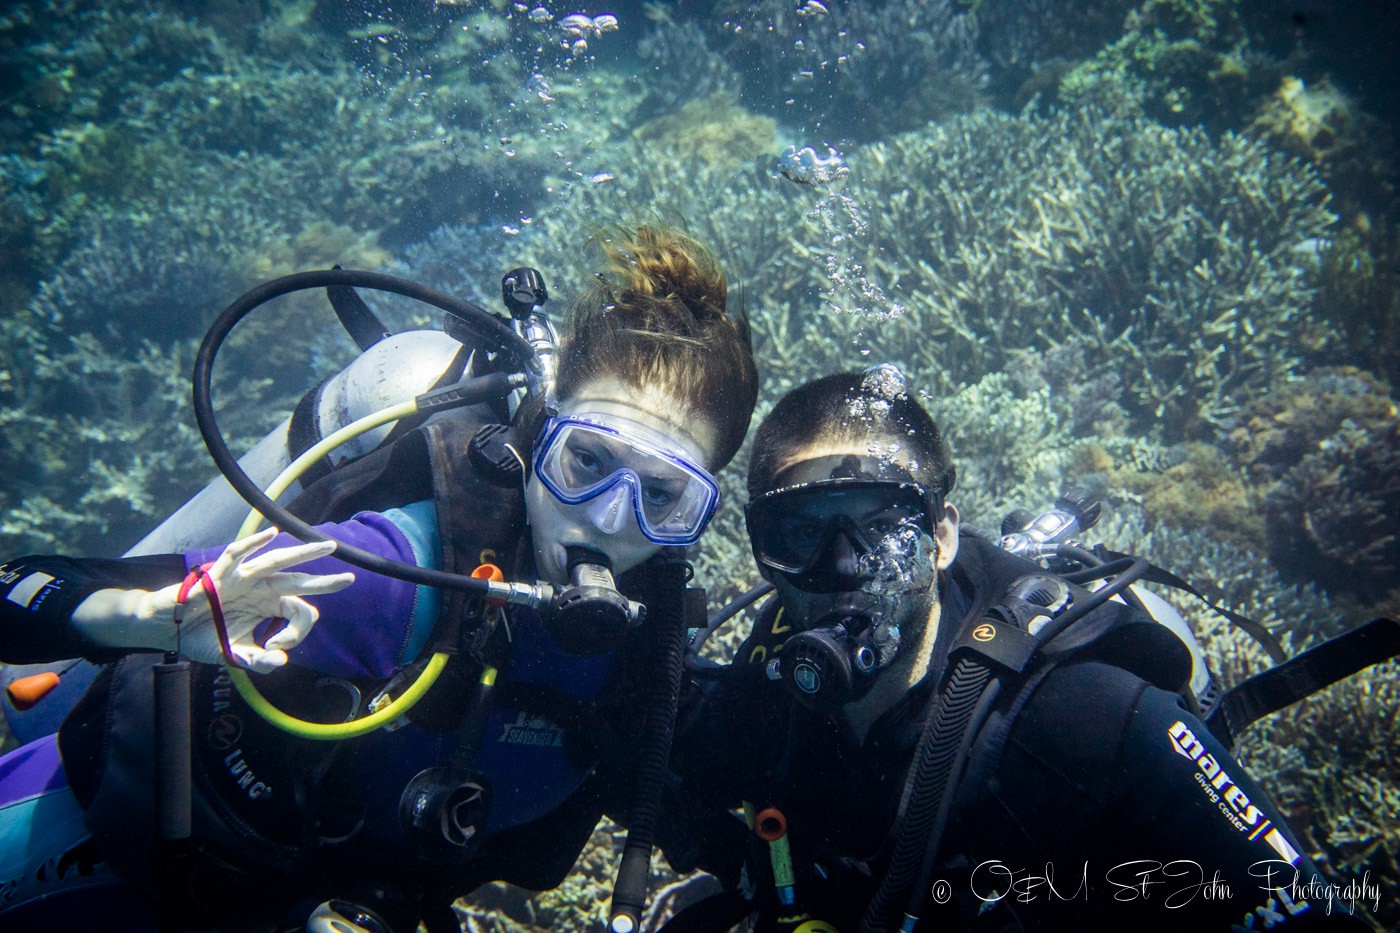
{"type": "Point", "coordinates": [933, 766]}
{"type": "Point", "coordinates": [985, 705]}
{"type": "Point", "coordinates": [1089, 559]}
{"type": "Point", "coordinates": [630, 888]}
{"type": "Point", "coordinates": [174, 764]}
{"type": "Point", "coordinates": [500, 339]}
{"type": "Point", "coordinates": [1135, 569]}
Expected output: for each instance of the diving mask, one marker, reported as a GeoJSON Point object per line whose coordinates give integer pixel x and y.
{"type": "Point", "coordinates": [610, 463]}
{"type": "Point", "coordinates": [830, 514]}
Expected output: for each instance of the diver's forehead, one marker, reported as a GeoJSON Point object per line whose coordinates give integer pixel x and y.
{"type": "Point", "coordinates": [650, 406]}
{"type": "Point", "coordinates": [862, 448]}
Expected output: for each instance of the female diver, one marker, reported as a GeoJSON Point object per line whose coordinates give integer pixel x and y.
{"type": "Point", "coordinates": [499, 775]}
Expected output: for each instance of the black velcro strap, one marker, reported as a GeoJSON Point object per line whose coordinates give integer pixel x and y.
{"type": "Point", "coordinates": [998, 642]}
{"type": "Point", "coordinates": [303, 433]}
{"type": "Point", "coordinates": [1255, 630]}
{"type": "Point", "coordinates": [1305, 674]}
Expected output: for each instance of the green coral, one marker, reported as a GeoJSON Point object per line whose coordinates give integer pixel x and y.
{"type": "Point", "coordinates": [1359, 290]}
{"type": "Point", "coordinates": [1183, 62]}
{"type": "Point", "coordinates": [1326, 450]}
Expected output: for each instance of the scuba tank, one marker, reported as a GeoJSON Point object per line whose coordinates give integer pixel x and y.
{"type": "Point", "coordinates": [1049, 539]}
{"type": "Point", "coordinates": [394, 370]}
{"type": "Point", "coordinates": [390, 370]}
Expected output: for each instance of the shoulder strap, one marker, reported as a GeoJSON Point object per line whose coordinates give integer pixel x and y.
{"type": "Point", "coordinates": [1253, 629]}
{"type": "Point", "coordinates": [1305, 674]}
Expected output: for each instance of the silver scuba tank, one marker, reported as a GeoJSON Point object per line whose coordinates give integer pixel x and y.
{"type": "Point", "coordinates": [396, 369]}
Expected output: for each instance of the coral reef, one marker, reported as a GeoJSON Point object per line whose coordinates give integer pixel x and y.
{"type": "Point", "coordinates": [1183, 62]}
{"type": "Point", "coordinates": [1327, 450]}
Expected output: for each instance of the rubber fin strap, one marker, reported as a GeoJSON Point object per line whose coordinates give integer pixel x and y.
{"type": "Point", "coordinates": [1255, 630]}
{"type": "Point", "coordinates": [1318, 667]}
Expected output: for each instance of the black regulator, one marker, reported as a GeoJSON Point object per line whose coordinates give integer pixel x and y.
{"type": "Point", "coordinates": [589, 616]}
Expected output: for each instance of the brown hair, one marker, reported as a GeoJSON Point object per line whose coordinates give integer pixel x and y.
{"type": "Point", "coordinates": [658, 318]}
{"type": "Point", "coordinates": [848, 408]}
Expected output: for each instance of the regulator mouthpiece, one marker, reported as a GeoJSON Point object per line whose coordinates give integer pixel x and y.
{"type": "Point", "coordinates": [589, 615]}
{"type": "Point", "coordinates": [832, 663]}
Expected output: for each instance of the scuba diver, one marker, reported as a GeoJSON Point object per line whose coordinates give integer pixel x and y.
{"type": "Point", "coordinates": [927, 731]}
{"type": "Point", "coordinates": [535, 692]}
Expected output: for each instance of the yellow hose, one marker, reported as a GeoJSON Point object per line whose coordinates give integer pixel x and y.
{"type": "Point", "coordinates": [332, 731]}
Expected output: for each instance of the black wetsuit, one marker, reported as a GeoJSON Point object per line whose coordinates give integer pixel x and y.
{"type": "Point", "coordinates": [1093, 799]}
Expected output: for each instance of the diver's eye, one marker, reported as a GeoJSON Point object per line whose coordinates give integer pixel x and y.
{"type": "Point", "coordinates": [804, 532]}
{"type": "Point", "coordinates": [657, 497]}
{"type": "Point", "coordinates": [881, 527]}
{"type": "Point", "coordinates": [586, 462]}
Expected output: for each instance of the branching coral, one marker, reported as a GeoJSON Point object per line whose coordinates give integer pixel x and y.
{"type": "Point", "coordinates": [1167, 255]}
{"type": "Point", "coordinates": [1331, 764]}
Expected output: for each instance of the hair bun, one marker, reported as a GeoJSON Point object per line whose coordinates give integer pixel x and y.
{"type": "Point", "coordinates": [664, 264]}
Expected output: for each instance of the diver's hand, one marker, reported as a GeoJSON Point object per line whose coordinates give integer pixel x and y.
{"type": "Point", "coordinates": [250, 590]}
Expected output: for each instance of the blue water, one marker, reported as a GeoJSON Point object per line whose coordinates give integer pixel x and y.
{"type": "Point", "coordinates": [1151, 246]}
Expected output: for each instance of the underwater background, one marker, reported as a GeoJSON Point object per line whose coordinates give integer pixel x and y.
{"type": "Point", "coordinates": [1151, 246]}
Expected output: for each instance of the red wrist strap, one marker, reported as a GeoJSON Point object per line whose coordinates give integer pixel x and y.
{"type": "Point", "coordinates": [200, 575]}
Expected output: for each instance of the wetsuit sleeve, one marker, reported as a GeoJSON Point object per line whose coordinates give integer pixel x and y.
{"type": "Point", "coordinates": [38, 595]}
{"type": "Point", "coordinates": [1130, 795]}
{"type": "Point", "coordinates": [1208, 806]}
{"type": "Point", "coordinates": [377, 624]}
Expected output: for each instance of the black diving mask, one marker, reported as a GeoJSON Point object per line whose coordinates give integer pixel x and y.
{"type": "Point", "coordinates": [829, 512]}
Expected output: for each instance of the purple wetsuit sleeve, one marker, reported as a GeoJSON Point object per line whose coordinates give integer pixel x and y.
{"type": "Point", "coordinates": [363, 628]}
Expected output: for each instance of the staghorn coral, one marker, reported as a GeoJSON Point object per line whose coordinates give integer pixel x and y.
{"type": "Point", "coordinates": [1330, 762]}
{"type": "Point", "coordinates": [109, 442]}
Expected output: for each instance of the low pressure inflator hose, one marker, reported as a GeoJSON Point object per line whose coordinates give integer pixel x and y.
{"type": "Point", "coordinates": [496, 591]}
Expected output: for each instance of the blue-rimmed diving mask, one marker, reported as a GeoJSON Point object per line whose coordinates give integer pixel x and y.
{"type": "Point", "coordinates": [607, 463]}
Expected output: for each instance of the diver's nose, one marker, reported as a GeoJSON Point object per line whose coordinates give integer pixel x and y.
{"type": "Point", "coordinates": [845, 555]}
{"type": "Point", "coordinates": [608, 512]}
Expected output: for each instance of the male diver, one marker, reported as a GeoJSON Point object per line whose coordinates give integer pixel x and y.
{"type": "Point", "coordinates": [925, 731]}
